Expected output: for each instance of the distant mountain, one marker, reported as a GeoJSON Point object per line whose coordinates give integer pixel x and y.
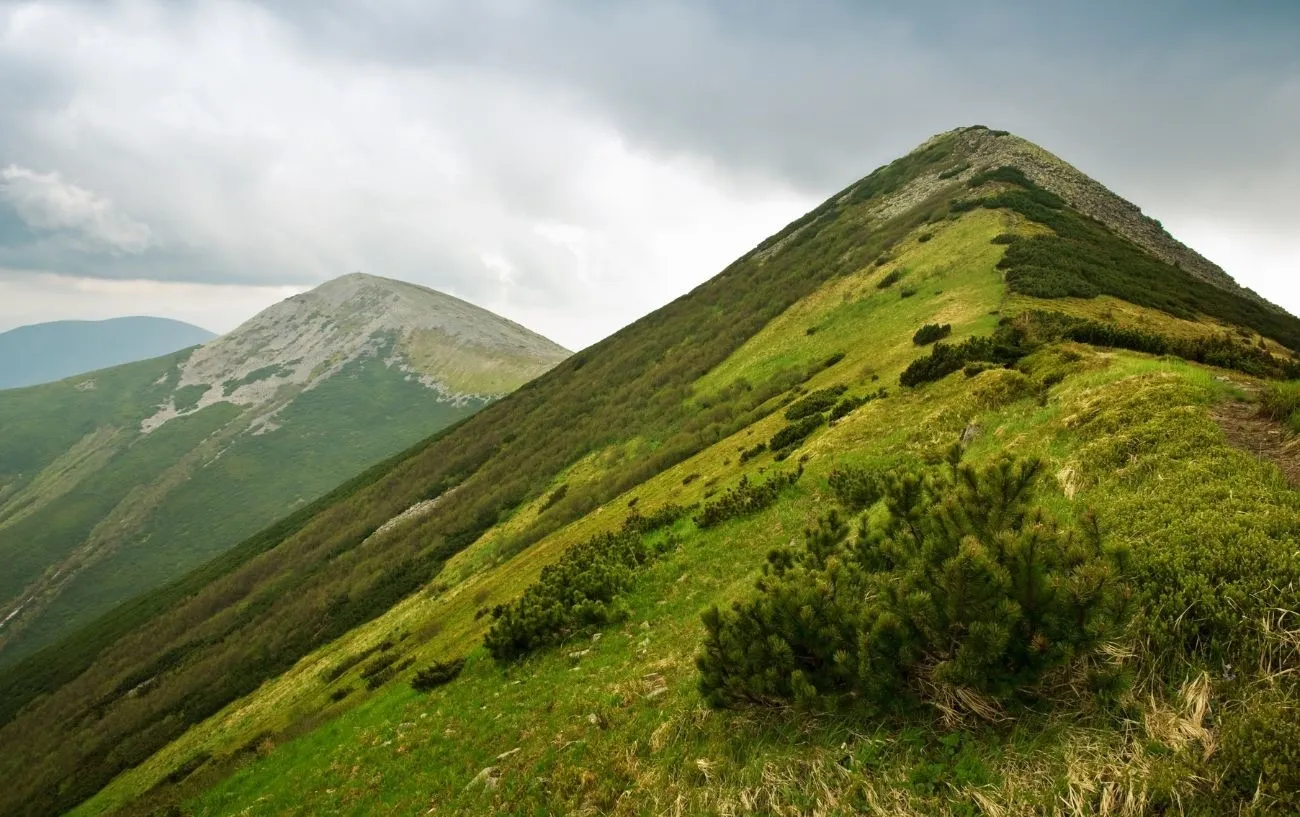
{"type": "Point", "coordinates": [117, 481]}
{"type": "Point", "coordinates": [45, 352]}
{"type": "Point", "coordinates": [947, 499]}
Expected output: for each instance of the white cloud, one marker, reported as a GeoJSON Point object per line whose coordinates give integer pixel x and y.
{"type": "Point", "coordinates": [46, 202]}
{"type": "Point", "coordinates": [36, 297]}
{"type": "Point", "coordinates": [559, 165]}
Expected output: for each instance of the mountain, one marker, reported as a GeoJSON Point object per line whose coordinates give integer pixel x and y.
{"type": "Point", "coordinates": [44, 352]}
{"type": "Point", "coordinates": [760, 551]}
{"type": "Point", "coordinates": [119, 481]}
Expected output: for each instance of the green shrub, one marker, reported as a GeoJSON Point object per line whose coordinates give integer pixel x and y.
{"type": "Point", "coordinates": [1005, 347]}
{"type": "Point", "coordinates": [889, 280]}
{"type": "Point", "coordinates": [1007, 173]}
{"type": "Point", "coordinates": [907, 292]}
{"type": "Point", "coordinates": [855, 488]}
{"type": "Point", "coordinates": [749, 453]}
{"type": "Point", "coordinates": [924, 237]}
{"type": "Point", "coordinates": [814, 403]}
{"type": "Point", "coordinates": [1220, 350]}
{"type": "Point", "coordinates": [1259, 755]}
{"type": "Point", "coordinates": [746, 498]}
{"type": "Point", "coordinates": [437, 674]}
{"type": "Point", "coordinates": [795, 432]}
{"type": "Point", "coordinates": [966, 584]}
{"type": "Point", "coordinates": [553, 497]}
{"type": "Point", "coordinates": [579, 591]}
{"type": "Point", "coordinates": [931, 332]}
{"type": "Point", "coordinates": [1082, 258]}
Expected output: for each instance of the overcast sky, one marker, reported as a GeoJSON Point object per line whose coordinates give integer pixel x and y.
{"type": "Point", "coordinates": [575, 165]}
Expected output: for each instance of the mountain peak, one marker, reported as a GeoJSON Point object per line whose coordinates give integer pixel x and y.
{"type": "Point", "coordinates": [987, 149]}
{"type": "Point", "coordinates": [460, 350]}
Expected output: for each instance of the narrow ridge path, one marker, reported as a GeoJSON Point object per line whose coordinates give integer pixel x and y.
{"type": "Point", "coordinates": [1246, 429]}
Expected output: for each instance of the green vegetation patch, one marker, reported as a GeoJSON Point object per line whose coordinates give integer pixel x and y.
{"type": "Point", "coordinates": [1082, 258]}
{"type": "Point", "coordinates": [746, 498]}
{"type": "Point", "coordinates": [965, 585]}
{"type": "Point", "coordinates": [579, 591]}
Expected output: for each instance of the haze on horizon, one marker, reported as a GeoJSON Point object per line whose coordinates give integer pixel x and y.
{"type": "Point", "coordinates": [572, 166]}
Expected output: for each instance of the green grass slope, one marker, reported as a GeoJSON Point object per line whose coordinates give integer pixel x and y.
{"type": "Point", "coordinates": [116, 482]}
{"type": "Point", "coordinates": [278, 682]}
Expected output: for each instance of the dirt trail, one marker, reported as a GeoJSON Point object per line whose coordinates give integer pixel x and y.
{"type": "Point", "coordinates": [1264, 438]}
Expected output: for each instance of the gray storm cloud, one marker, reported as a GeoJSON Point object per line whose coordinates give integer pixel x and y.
{"type": "Point", "coordinates": [573, 165]}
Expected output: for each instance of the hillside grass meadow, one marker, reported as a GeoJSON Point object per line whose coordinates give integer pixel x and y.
{"type": "Point", "coordinates": [611, 721]}
{"type": "Point", "coordinates": [615, 725]}
{"type": "Point", "coordinates": [280, 682]}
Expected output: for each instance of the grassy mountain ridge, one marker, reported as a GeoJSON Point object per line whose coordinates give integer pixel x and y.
{"type": "Point", "coordinates": [119, 481]}
{"type": "Point", "coordinates": [658, 413]}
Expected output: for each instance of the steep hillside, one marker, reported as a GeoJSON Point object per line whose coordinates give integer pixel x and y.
{"type": "Point", "coordinates": [656, 475]}
{"type": "Point", "coordinates": [45, 352]}
{"type": "Point", "coordinates": [116, 482]}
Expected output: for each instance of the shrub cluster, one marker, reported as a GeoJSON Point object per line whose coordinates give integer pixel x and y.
{"type": "Point", "coordinates": [579, 591]}
{"type": "Point", "coordinates": [746, 498]}
{"type": "Point", "coordinates": [1005, 347]}
{"type": "Point", "coordinates": [1082, 258]}
{"type": "Point", "coordinates": [889, 280]}
{"type": "Point", "coordinates": [795, 433]}
{"type": "Point", "coordinates": [1220, 350]}
{"type": "Point", "coordinates": [437, 674]}
{"type": "Point", "coordinates": [814, 403]}
{"type": "Point", "coordinates": [749, 453]}
{"type": "Point", "coordinates": [1260, 755]}
{"type": "Point", "coordinates": [931, 332]}
{"type": "Point", "coordinates": [850, 404]}
{"type": "Point", "coordinates": [855, 488]}
{"type": "Point", "coordinates": [966, 585]}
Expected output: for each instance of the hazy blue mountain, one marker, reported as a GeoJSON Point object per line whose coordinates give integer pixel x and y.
{"type": "Point", "coordinates": [45, 352]}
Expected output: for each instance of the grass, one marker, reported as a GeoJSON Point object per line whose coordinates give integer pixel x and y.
{"type": "Point", "coordinates": [614, 724]}
{"type": "Point", "coordinates": [621, 729]}
{"type": "Point", "coordinates": [625, 716]}
{"type": "Point", "coordinates": [160, 505]}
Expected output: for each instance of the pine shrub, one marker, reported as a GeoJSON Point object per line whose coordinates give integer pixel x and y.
{"type": "Point", "coordinates": [966, 584]}
{"type": "Point", "coordinates": [796, 432]}
{"type": "Point", "coordinates": [746, 498]}
{"type": "Point", "coordinates": [437, 674]}
{"type": "Point", "coordinates": [749, 453]}
{"type": "Point", "coordinates": [855, 488]}
{"type": "Point", "coordinates": [814, 403]}
{"type": "Point", "coordinates": [578, 592]}
{"type": "Point", "coordinates": [889, 280]}
{"type": "Point", "coordinates": [931, 332]}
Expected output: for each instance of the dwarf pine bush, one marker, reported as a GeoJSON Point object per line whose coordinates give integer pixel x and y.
{"type": "Point", "coordinates": [931, 332]}
{"type": "Point", "coordinates": [578, 592]}
{"type": "Point", "coordinates": [437, 674]}
{"type": "Point", "coordinates": [746, 498]}
{"type": "Point", "coordinates": [966, 584]}
{"type": "Point", "coordinates": [814, 403]}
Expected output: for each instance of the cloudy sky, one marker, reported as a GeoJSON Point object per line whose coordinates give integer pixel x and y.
{"type": "Point", "coordinates": [573, 165]}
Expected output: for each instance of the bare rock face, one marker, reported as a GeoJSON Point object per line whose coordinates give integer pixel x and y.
{"type": "Point", "coordinates": [449, 345]}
